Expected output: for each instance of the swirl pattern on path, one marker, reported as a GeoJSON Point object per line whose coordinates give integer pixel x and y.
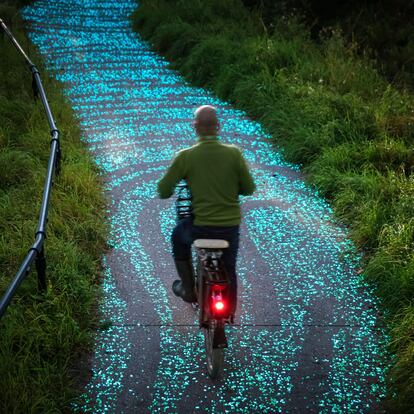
{"type": "Point", "coordinates": [307, 337]}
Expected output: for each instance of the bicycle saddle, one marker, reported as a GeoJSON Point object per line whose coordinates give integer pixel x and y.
{"type": "Point", "coordinates": [211, 244]}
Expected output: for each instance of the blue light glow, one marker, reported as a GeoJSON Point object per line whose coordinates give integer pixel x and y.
{"type": "Point", "coordinates": [309, 340]}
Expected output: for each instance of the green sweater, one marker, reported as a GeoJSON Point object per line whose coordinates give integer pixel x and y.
{"type": "Point", "coordinates": [216, 174]}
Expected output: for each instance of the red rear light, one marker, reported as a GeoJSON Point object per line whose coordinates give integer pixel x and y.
{"type": "Point", "coordinates": [218, 305]}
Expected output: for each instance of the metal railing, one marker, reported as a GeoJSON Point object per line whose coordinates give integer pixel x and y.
{"type": "Point", "coordinates": [36, 252]}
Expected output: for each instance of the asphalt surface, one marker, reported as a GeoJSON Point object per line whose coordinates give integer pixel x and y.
{"type": "Point", "coordinates": [307, 336]}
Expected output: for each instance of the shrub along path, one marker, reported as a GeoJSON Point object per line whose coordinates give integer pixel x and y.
{"type": "Point", "coordinates": [307, 338]}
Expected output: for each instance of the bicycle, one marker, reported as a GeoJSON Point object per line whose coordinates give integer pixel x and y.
{"type": "Point", "coordinates": [212, 287]}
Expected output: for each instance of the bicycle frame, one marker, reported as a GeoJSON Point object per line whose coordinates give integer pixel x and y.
{"type": "Point", "coordinates": [212, 288]}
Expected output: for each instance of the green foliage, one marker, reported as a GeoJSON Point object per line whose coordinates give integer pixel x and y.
{"type": "Point", "coordinates": [331, 111]}
{"type": "Point", "coordinates": [43, 336]}
{"type": "Point", "coordinates": [382, 28]}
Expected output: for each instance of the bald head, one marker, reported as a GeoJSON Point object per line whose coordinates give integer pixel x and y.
{"type": "Point", "coordinates": [205, 120]}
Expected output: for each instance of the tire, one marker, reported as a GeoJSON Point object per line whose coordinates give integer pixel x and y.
{"type": "Point", "coordinates": [215, 356]}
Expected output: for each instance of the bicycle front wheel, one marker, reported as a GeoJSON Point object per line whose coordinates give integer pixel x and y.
{"type": "Point", "coordinates": [215, 356]}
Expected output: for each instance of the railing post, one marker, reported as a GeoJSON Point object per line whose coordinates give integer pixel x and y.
{"type": "Point", "coordinates": [41, 270]}
{"type": "Point", "coordinates": [55, 137]}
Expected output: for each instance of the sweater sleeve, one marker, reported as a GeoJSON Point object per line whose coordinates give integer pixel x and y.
{"type": "Point", "coordinates": [174, 174]}
{"type": "Point", "coordinates": [246, 182]}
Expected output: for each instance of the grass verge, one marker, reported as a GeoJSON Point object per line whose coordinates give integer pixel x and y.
{"type": "Point", "coordinates": [333, 113]}
{"type": "Point", "coordinates": [43, 337]}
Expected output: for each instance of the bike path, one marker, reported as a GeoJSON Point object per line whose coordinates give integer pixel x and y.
{"type": "Point", "coordinates": [307, 337]}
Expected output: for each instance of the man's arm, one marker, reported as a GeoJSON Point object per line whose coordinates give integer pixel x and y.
{"type": "Point", "coordinates": [246, 183]}
{"type": "Point", "coordinates": [174, 174]}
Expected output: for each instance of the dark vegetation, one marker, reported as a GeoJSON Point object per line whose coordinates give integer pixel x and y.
{"type": "Point", "coordinates": [381, 29]}
{"type": "Point", "coordinates": [43, 337]}
{"type": "Point", "coordinates": [330, 109]}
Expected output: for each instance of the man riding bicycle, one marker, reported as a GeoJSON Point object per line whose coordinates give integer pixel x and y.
{"type": "Point", "coordinates": [216, 174]}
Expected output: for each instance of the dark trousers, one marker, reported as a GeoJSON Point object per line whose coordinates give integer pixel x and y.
{"type": "Point", "coordinates": [184, 234]}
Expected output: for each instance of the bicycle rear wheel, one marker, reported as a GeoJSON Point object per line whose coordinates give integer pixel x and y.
{"type": "Point", "coordinates": [215, 356]}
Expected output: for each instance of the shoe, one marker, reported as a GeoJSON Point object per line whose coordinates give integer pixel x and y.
{"type": "Point", "coordinates": [184, 288]}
